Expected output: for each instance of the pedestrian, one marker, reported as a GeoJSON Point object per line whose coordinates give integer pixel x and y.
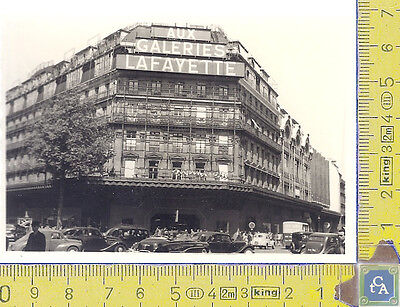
{"type": "Point", "coordinates": [236, 235]}
{"type": "Point", "coordinates": [341, 234]}
{"type": "Point", "coordinates": [249, 237]}
{"type": "Point", "coordinates": [36, 241]}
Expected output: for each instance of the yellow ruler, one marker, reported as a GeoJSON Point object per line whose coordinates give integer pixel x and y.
{"type": "Point", "coordinates": [171, 285]}
{"type": "Point", "coordinates": [378, 123]}
{"type": "Point", "coordinates": [258, 285]}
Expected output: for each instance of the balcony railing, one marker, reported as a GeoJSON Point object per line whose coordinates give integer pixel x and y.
{"type": "Point", "coordinates": [262, 137]}
{"type": "Point", "coordinates": [15, 145]}
{"type": "Point", "coordinates": [173, 120]}
{"type": "Point", "coordinates": [171, 92]}
{"type": "Point", "coordinates": [20, 125]}
{"type": "Point", "coordinates": [179, 175]}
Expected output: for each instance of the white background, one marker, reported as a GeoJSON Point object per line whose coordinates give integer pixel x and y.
{"type": "Point", "coordinates": [308, 47]}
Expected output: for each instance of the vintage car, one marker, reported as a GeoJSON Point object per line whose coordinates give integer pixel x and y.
{"type": "Point", "coordinates": [126, 235]}
{"type": "Point", "coordinates": [299, 240]}
{"type": "Point", "coordinates": [263, 240]}
{"type": "Point", "coordinates": [164, 245]}
{"type": "Point", "coordinates": [289, 227]}
{"type": "Point", "coordinates": [323, 243]}
{"type": "Point", "coordinates": [55, 241]}
{"type": "Point", "coordinates": [220, 242]}
{"type": "Point", "coordinates": [93, 240]}
{"type": "Point", "coordinates": [14, 232]}
{"type": "Point", "coordinates": [177, 246]}
{"type": "Point", "coordinates": [149, 244]}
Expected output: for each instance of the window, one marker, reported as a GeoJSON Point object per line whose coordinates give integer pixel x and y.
{"type": "Point", "coordinates": [258, 83]}
{"type": "Point", "coordinates": [177, 142]}
{"type": "Point", "coordinates": [70, 232]}
{"type": "Point", "coordinates": [286, 160]}
{"type": "Point", "coordinates": [40, 93]}
{"type": "Point", "coordinates": [177, 170]}
{"type": "Point", "coordinates": [130, 168]}
{"type": "Point", "coordinates": [154, 141]}
{"type": "Point", "coordinates": [223, 139]}
{"type": "Point", "coordinates": [179, 89]}
{"type": "Point", "coordinates": [153, 169]}
{"type": "Point", "coordinates": [201, 90]}
{"type": "Point", "coordinates": [223, 91]}
{"type": "Point", "coordinates": [130, 141]}
{"type": "Point", "coordinates": [56, 236]}
{"type": "Point", "coordinates": [201, 144]}
{"type": "Point", "coordinates": [200, 167]}
{"type": "Point", "coordinates": [306, 173]}
{"type": "Point", "coordinates": [220, 238]}
{"type": "Point", "coordinates": [287, 132]}
{"type": "Point", "coordinates": [223, 171]}
{"type": "Point", "coordinates": [286, 189]}
{"type": "Point", "coordinates": [94, 233]}
{"type": "Point", "coordinates": [133, 86]}
{"type": "Point", "coordinates": [297, 192]}
{"type": "Point", "coordinates": [262, 157]}
{"type": "Point", "coordinates": [201, 113]}
{"type": "Point", "coordinates": [223, 145]}
{"type": "Point", "coordinates": [156, 87]}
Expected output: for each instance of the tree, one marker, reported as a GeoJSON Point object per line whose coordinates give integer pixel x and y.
{"type": "Point", "coordinates": [70, 141]}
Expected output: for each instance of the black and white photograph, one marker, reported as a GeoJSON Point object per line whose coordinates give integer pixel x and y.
{"type": "Point", "coordinates": [180, 134]}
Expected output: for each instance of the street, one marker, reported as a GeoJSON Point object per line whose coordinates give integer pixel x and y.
{"type": "Point", "coordinates": [276, 250]}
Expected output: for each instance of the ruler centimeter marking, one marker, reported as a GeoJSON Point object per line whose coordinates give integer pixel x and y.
{"type": "Point", "coordinates": [378, 108]}
{"type": "Point", "coordinates": [248, 285]}
{"type": "Point", "coordinates": [146, 285]}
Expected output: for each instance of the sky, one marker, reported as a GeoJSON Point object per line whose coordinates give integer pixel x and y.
{"type": "Point", "coordinates": [307, 47]}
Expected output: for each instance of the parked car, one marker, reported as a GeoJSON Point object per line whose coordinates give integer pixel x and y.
{"type": "Point", "coordinates": [263, 240]}
{"type": "Point", "coordinates": [149, 244]}
{"type": "Point", "coordinates": [222, 242]}
{"type": "Point", "coordinates": [14, 232]}
{"type": "Point", "coordinates": [55, 241]}
{"type": "Point", "coordinates": [93, 240]}
{"type": "Point", "coordinates": [164, 245]}
{"type": "Point", "coordinates": [299, 240]}
{"type": "Point", "coordinates": [178, 246]}
{"type": "Point", "coordinates": [126, 235]}
{"type": "Point", "coordinates": [323, 243]}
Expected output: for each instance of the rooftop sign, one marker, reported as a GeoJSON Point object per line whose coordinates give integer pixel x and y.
{"type": "Point", "coordinates": [181, 33]}
{"type": "Point", "coordinates": [180, 48]}
{"type": "Point", "coordinates": [180, 65]}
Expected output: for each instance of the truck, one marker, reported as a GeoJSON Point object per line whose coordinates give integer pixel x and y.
{"type": "Point", "coordinates": [290, 227]}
